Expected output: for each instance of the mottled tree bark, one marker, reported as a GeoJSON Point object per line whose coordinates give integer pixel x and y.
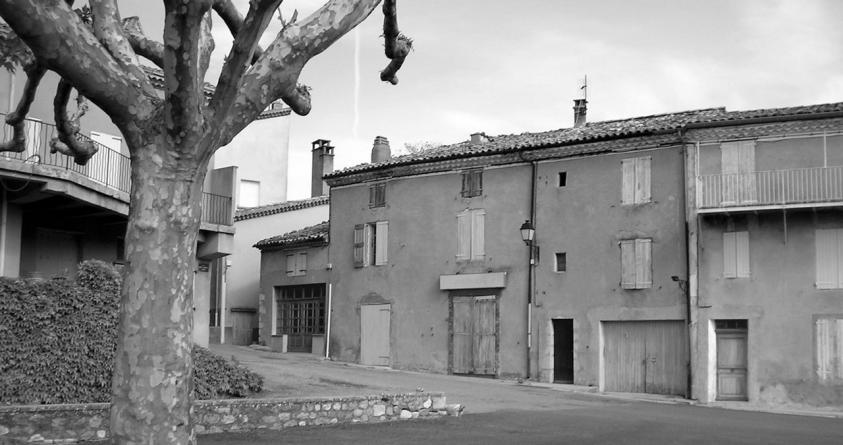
{"type": "Point", "coordinates": [152, 383]}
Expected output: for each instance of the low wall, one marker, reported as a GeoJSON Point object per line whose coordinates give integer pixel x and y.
{"type": "Point", "coordinates": [82, 422]}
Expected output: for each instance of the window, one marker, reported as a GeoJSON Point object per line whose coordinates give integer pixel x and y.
{"type": "Point", "coordinates": [561, 262]}
{"type": "Point", "coordinates": [636, 180]}
{"type": "Point", "coordinates": [249, 195]}
{"type": "Point", "coordinates": [471, 245]}
{"type": "Point", "coordinates": [636, 264]}
{"type": "Point", "coordinates": [737, 161]}
{"type": "Point", "coordinates": [297, 264]}
{"type": "Point", "coordinates": [736, 254]}
{"type": "Point", "coordinates": [472, 183]}
{"type": "Point", "coordinates": [828, 335]}
{"type": "Point", "coordinates": [829, 244]}
{"type": "Point", "coordinates": [377, 195]}
{"type": "Point", "coordinates": [563, 179]}
{"type": "Point", "coordinates": [113, 142]}
{"type": "Point", "coordinates": [370, 244]}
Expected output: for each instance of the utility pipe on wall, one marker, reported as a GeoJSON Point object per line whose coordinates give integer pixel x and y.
{"type": "Point", "coordinates": [328, 322]}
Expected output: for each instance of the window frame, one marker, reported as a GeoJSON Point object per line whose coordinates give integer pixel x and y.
{"type": "Point", "coordinates": [471, 235]}
{"type": "Point", "coordinates": [472, 183]}
{"type": "Point", "coordinates": [562, 179]}
{"type": "Point", "coordinates": [736, 259]}
{"type": "Point", "coordinates": [299, 264]}
{"type": "Point", "coordinates": [636, 253]}
{"type": "Point", "coordinates": [370, 244]}
{"type": "Point", "coordinates": [828, 245]}
{"type": "Point", "coordinates": [377, 195]}
{"type": "Point", "coordinates": [564, 256]}
{"type": "Point", "coordinates": [637, 180]}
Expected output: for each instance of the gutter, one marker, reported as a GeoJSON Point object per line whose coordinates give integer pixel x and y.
{"type": "Point", "coordinates": [763, 120]}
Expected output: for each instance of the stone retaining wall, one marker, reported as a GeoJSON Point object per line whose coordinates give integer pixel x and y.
{"type": "Point", "coordinates": [73, 423]}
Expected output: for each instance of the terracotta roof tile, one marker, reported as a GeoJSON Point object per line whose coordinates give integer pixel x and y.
{"type": "Point", "coordinates": [281, 207]}
{"type": "Point", "coordinates": [307, 235]}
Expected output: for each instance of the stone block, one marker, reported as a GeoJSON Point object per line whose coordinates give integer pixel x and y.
{"type": "Point", "coordinates": [228, 419]}
{"type": "Point", "coordinates": [284, 416]}
{"type": "Point", "coordinates": [438, 403]}
{"type": "Point", "coordinates": [379, 410]}
{"type": "Point", "coordinates": [337, 405]}
{"type": "Point", "coordinates": [358, 412]}
{"type": "Point", "coordinates": [405, 414]}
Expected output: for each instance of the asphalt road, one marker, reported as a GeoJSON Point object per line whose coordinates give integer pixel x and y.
{"type": "Point", "coordinates": [615, 422]}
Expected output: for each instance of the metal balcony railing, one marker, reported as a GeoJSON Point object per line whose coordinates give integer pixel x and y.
{"type": "Point", "coordinates": [107, 167]}
{"type": "Point", "coordinates": [216, 209]}
{"type": "Point", "coordinates": [770, 188]}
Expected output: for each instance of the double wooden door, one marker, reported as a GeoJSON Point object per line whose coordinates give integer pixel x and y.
{"type": "Point", "coordinates": [645, 357]}
{"type": "Point", "coordinates": [474, 335]}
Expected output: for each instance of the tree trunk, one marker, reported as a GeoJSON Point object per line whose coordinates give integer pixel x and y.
{"type": "Point", "coordinates": [152, 384]}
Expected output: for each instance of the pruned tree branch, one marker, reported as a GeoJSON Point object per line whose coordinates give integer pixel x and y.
{"type": "Point", "coordinates": [298, 99]}
{"type": "Point", "coordinates": [34, 72]}
{"type": "Point", "coordinates": [242, 51]}
{"type": "Point", "coordinates": [233, 20]}
{"type": "Point", "coordinates": [141, 44]}
{"type": "Point", "coordinates": [183, 98]}
{"type": "Point", "coordinates": [65, 44]}
{"type": "Point", "coordinates": [108, 29]}
{"type": "Point", "coordinates": [396, 45]}
{"type": "Point", "coordinates": [278, 69]}
{"type": "Point", "coordinates": [68, 141]}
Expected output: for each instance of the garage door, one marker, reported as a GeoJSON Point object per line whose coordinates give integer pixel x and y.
{"type": "Point", "coordinates": [645, 356]}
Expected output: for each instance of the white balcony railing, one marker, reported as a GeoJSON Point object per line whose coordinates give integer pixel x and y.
{"type": "Point", "coordinates": [770, 188]}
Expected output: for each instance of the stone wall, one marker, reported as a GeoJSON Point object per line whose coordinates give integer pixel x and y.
{"type": "Point", "coordinates": [72, 423]}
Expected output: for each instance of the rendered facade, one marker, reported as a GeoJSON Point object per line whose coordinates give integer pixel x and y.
{"type": "Point", "coordinates": [693, 253]}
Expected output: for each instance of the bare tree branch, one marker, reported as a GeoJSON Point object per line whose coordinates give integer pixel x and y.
{"type": "Point", "coordinates": [65, 44]}
{"type": "Point", "coordinates": [206, 46]}
{"type": "Point", "coordinates": [183, 98]}
{"type": "Point", "coordinates": [108, 28]}
{"type": "Point", "coordinates": [396, 45]}
{"type": "Point", "coordinates": [68, 141]}
{"type": "Point", "coordinates": [34, 72]}
{"type": "Point", "coordinates": [275, 75]}
{"type": "Point", "coordinates": [141, 44]}
{"type": "Point", "coordinates": [242, 51]}
{"type": "Point", "coordinates": [233, 20]}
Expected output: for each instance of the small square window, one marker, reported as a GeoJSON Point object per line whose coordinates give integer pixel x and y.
{"type": "Point", "coordinates": [561, 262]}
{"type": "Point", "coordinates": [563, 179]}
{"type": "Point", "coordinates": [377, 195]}
{"type": "Point", "coordinates": [472, 183]}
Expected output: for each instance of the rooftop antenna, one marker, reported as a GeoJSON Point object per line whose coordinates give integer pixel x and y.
{"type": "Point", "coordinates": [584, 87]}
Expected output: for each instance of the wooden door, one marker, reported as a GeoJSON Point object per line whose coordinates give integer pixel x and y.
{"type": "Point", "coordinates": [731, 364]}
{"type": "Point", "coordinates": [563, 351]}
{"type": "Point", "coordinates": [645, 356]}
{"type": "Point", "coordinates": [474, 335]}
{"type": "Point", "coordinates": [374, 334]}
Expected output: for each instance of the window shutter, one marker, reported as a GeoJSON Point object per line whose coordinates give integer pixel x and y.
{"type": "Point", "coordinates": [358, 247]}
{"type": "Point", "coordinates": [643, 192]}
{"type": "Point", "coordinates": [628, 181]}
{"type": "Point", "coordinates": [466, 186]}
{"type": "Point", "coordinates": [464, 235]}
{"type": "Point", "coordinates": [368, 244]}
{"type": "Point", "coordinates": [742, 254]}
{"type": "Point", "coordinates": [478, 232]}
{"type": "Point", "coordinates": [829, 346]}
{"type": "Point", "coordinates": [301, 263]}
{"type": "Point", "coordinates": [643, 264]}
{"type": "Point", "coordinates": [839, 263]}
{"type": "Point", "coordinates": [730, 267]}
{"type": "Point", "coordinates": [827, 261]}
{"type": "Point", "coordinates": [291, 264]}
{"type": "Point", "coordinates": [381, 242]}
{"type": "Point", "coordinates": [628, 264]}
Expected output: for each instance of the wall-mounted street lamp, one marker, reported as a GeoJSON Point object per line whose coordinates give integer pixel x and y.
{"type": "Point", "coordinates": [528, 232]}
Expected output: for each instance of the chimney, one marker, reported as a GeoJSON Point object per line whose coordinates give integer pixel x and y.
{"type": "Point", "coordinates": [321, 164]}
{"type": "Point", "coordinates": [479, 138]}
{"type": "Point", "coordinates": [380, 150]}
{"type": "Point", "coordinates": [579, 112]}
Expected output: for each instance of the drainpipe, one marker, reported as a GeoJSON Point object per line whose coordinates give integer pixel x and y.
{"type": "Point", "coordinates": [531, 263]}
{"type": "Point", "coordinates": [3, 229]}
{"type": "Point", "coordinates": [328, 322]}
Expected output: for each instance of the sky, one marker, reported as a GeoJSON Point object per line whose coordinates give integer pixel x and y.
{"type": "Point", "coordinates": [504, 67]}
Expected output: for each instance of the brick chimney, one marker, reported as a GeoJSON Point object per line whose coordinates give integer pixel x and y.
{"type": "Point", "coordinates": [579, 112]}
{"type": "Point", "coordinates": [479, 138]}
{"type": "Point", "coordinates": [380, 150]}
{"type": "Point", "coordinates": [321, 165]}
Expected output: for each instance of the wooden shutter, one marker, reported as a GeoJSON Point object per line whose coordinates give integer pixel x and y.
{"type": "Point", "coordinates": [381, 242]}
{"type": "Point", "coordinates": [730, 267]}
{"type": "Point", "coordinates": [829, 346]}
{"type": "Point", "coordinates": [291, 264]}
{"type": "Point", "coordinates": [301, 263]}
{"type": "Point", "coordinates": [643, 264]}
{"type": "Point", "coordinates": [478, 234]}
{"type": "Point", "coordinates": [358, 246]}
{"type": "Point", "coordinates": [368, 244]}
{"type": "Point", "coordinates": [643, 192]}
{"type": "Point", "coordinates": [628, 181]}
{"type": "Point", "coordinates": [742, 254]}
{"type": "Point", "coordinates": [628, 264]}
{"type": "Point", "coordinates": [464, 235]}
{"type": "Point", "coordinates": [827, 259]}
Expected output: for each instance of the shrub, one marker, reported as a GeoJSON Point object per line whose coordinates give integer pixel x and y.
{"type": "Point", "coordinates": [58, 337]}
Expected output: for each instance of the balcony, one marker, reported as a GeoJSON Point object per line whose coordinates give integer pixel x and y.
{"type": "Point", "coordinates": [107, 167]}
{"type": "Point", "coordinates": [768, 190]}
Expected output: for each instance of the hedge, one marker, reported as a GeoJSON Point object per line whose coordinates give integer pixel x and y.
{"type": "Point", "coordinates": [58, 337]}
